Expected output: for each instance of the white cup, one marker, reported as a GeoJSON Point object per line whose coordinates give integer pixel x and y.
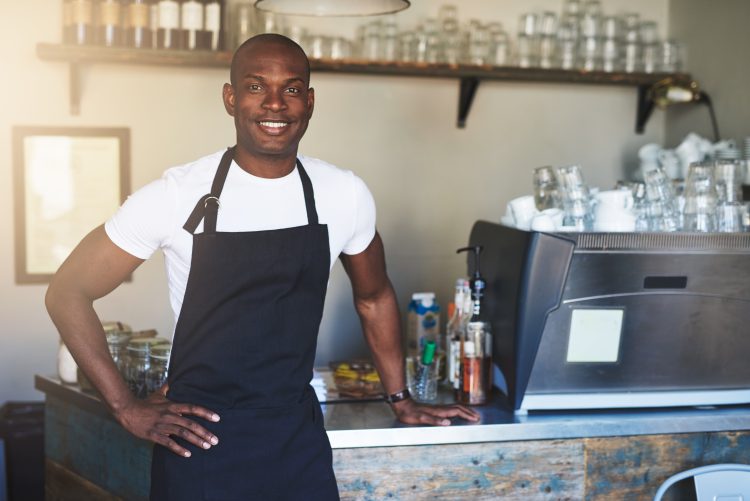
{"type": "Point", "coordinates": [548, 220]}
{"type": "Point", "coordinates": [523, 209]}
{"type": "Point", "coordinates": [614, 211]}
{"type": "Point", "coordinates": [543, 222]}
{"type": "Point", "coordinates": [671, 164]}
{"type": "Point", "coordinates": [689, 151]}
{"type": "Point", "coordinates": [649, 152]}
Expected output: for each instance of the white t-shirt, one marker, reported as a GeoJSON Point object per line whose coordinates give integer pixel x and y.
{"type": "Point", "coordinates": [152, 217]}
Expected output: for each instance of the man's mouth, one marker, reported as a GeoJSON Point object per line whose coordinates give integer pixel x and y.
{"type": "Point", "coordinates": [273, 124]}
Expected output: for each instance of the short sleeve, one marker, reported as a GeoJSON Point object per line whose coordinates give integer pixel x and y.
{"type": "Point", "coordinates": [364, 221]}
{"type": "Point", "coordinates": [142, 224]}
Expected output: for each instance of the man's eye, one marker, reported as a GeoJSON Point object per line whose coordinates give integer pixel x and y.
{"type": "Point", "coordinates": [293, 90]}
{"type": "Point", "coordinates": [254, 87]}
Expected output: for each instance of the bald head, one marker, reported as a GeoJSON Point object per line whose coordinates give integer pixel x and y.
{"type": "Point", "coordinates": [266, 42]}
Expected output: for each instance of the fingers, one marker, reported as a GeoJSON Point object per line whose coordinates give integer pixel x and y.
{"type": "Point", "coordinates": [158, 419]}
{"type": "Point", "coordinates": [194, 410]}
{"type": "Point", "coordinates": [189, 430]}
{"type": "Point", "coordinates": [162, 439]}
{"type": "Point", "coordinates": [456, 411]}
{"type": "Point", "coordinates": [436, 415]}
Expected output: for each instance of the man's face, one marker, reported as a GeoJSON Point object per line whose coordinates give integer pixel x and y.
{"type": "Point", "coordinates": [270, 100]}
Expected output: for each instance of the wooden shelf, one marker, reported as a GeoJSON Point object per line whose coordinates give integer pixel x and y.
{"type": "Point", "coordinates": [469, 76]}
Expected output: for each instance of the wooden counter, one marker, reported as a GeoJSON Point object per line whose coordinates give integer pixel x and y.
{"type": "Point", "coordinates": [89, 456]}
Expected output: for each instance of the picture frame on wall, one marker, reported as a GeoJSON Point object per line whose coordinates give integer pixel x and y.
{"type": "Point", "coordinates": [67, 181]}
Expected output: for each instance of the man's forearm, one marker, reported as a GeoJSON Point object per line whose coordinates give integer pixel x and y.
{"type": "Point", "coordinates": [381, 325]}
{"type": "Point", "coordinates": [82, 332]}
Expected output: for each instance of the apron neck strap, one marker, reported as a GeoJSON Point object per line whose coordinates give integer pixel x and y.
{"type": "Point", "coordinates": [208, 205]}
{"type": "Point", "coordinates": [312, 212]}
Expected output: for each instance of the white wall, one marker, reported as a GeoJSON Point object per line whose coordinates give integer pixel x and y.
{"type": "Point", "coordinates": [717, 40]}
{"type": "Point", "coordinates": [431, 180]}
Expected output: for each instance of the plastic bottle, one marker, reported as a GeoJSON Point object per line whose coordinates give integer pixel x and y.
{"type": "Point", "coordinates": [423, 322]}
{"type": "Point", "coordinates": [454, 329]}
{"type": "Point", "coordinates": [476, 344]}
{"type": "Point", "coordinates": [425, 383]}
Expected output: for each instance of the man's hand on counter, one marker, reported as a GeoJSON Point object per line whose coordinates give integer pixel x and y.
{"type": "Point", "coordinates": [158, 419]}
{"type": "Point", "coordinates": [410, 412]}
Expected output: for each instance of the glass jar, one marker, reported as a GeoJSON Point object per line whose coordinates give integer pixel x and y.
{"type": "Point", "coordinates": [138, 363]}
{"type": "Point", "coordinates": [117, 343]}
{"type": "Point", "coordinates": [159, 362]}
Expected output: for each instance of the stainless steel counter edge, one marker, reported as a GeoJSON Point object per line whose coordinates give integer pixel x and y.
{"type": "Point", "coordinates": [551, 427]}
{"type": "Point", "coordinates": [373, 424]}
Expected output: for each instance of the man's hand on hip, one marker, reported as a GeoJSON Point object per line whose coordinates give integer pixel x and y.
{"type": "Point", "coordinates": [158, 420]}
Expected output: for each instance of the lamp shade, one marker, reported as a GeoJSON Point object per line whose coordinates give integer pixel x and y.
{"type": "Point", "coordinates": [332, 7]}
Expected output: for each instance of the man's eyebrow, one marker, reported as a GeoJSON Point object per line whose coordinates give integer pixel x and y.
{"type": "Point", "coordinates": [259, 78]}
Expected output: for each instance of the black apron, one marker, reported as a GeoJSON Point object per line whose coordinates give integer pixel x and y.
{"type": "Point", "coordinates": [244, 347]}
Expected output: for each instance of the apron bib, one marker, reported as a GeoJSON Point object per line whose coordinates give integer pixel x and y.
{"type": "Point", "coordinates": [244, 346]}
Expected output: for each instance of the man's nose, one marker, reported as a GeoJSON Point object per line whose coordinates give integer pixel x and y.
{"type": "Point", "coordinates": [274, 101]}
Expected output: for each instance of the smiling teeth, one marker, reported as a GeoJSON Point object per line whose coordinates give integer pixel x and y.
{"type": "Point", "coordinates": [276, 125]}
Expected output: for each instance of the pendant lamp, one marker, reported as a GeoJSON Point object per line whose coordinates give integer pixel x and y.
{"type": "Point", "coordinates": [332, 7]}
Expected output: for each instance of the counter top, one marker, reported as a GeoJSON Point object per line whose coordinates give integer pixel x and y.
{"type": "Point", "coordinates": [373, 424]}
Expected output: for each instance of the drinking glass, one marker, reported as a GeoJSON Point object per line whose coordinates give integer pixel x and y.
{"type": "Point", "coordinates": [372, 43]}
{"type": "Point", "coordinates": [528, 25]}
{"type": "Point", "coordinates": [448, 17]}
{"type": "Point", "coordinates": [243, 24]}
{"type": "Point", "coordinates": [548, 24]}
{"type": "Point", "coordinates": [672, 56]}
{"type": "Point", "coordinates": [407, 41]}
{"type": "Point", "coordinates": [729, 175]}
{"type": "Point", "coordinates": [575, 198]}
{"type": "Point", "coordinates": [341, 48]}
{"type": "Point", "coordinates": [729, 217]}
{"type": "Point", "coordinates": [546, 195]}
{"type": "Point", "coordinates": [499, 49]}
{"type": "Point", "coordinates": [590, 53]}
{"type": "Point", "coordinates": [479, 44]}
{"type": "Point", "coordinates": [567, 43]}
{"type": "Point", "coordinates": [527, 51]}
{"type": "Point", "coordinates": [700, 198]}
{"type": "Point", "coordinates": [389, 42]}
{"type": "Point", "coordinates": [422, 380]}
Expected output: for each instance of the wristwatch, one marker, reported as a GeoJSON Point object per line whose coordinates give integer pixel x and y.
{"type": "Point", "coordinates": [398, 396]}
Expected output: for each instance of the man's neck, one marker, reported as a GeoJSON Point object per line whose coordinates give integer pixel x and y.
{"type": "Point", "coordinates": [266, 166]}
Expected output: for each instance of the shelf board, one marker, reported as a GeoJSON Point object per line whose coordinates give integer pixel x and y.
{"type": "Point", "coordinates": [469, 76]}
{"type": "Point", "coordinates": [213, 59]}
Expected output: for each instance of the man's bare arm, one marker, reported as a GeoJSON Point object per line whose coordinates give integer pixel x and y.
{"type": "Point", "coordinates": [94, 269]}
{"type": "Point", "coordinates": [376, 304]}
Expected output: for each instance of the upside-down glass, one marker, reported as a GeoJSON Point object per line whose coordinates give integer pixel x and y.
{"type": "Point", "coordinates": [546, 194]}
{"type": "Point", "coordinates": [729, 174]}
{"type": "Point", "coordinates": [700, 198]}
{"type": "Point", "coordinates": [730, 217]}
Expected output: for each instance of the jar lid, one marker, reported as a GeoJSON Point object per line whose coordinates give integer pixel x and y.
{"type": "Point", "coordinates": [143, 343]}
{"type": "Point", "coordinates": [161, 351]}
{"type": "Point", "coordinates": [114, 326]}
{"type": "Point", "coordinates": [117, 338]}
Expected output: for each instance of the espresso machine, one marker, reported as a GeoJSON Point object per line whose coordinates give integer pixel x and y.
{"type": "Point", "coordinates": [618, 320]}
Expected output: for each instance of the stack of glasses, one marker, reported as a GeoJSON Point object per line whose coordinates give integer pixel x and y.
{"type": "Point", "coordinates": [576, 201]}
{"type": "Point", "coordinates": [585, 38]}
{"type": "Point", "coordinates": [711, 200]}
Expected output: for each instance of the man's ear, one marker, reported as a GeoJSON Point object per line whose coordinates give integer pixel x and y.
{"type": "Point", "coordinates": [310, 102]}
{"type": "Point", "coordinates": [227, 95]}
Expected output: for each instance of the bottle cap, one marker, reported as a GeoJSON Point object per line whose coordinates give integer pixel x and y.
{"type": "Point", "coordinates": [426, 298]}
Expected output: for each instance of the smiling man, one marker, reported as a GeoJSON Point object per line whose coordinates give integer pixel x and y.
{"type": "Point", "coordinates": [249, 235]}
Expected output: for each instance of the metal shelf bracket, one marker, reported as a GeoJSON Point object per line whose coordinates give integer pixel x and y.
{"type": "Point", "coordinates": [645, 108]}
{"type": "Point", "coordinates": [465, 98]}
